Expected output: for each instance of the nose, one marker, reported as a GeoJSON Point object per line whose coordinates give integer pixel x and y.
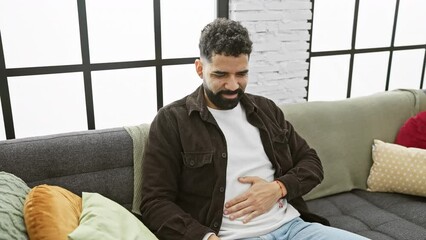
{"type": "Point", "coordinates": [232, 83]}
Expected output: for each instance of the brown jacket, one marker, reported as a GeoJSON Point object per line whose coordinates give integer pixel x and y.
{"type": "Point", "coordinates": [184, 168]}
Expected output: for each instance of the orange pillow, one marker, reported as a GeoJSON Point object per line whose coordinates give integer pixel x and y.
{"type": "Point", "coordinates": [51, 212]}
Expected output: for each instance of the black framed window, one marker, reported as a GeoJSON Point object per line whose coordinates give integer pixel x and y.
{"type": "Point", "coordinates": [359, 47]}
{"type": "Point", "coordinates": [77, 65]}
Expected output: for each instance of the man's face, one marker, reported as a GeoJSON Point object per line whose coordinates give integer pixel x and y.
{"type": "Point", "coordinates": [224, 79]}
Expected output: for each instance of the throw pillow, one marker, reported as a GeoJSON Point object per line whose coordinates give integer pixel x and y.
{"type": "Point", "coordinates": [413, 132]}
{"type": "Point", "coordinates": [13, 191]}
{"type": "Point", "coordinates": [51, 212]}
{"type": "Point", "coordinates": [105, 219]}
{"type": "Point", "coordinates": [397, 169]}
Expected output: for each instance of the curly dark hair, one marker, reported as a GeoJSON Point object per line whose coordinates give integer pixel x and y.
{"type": "Point", "coordinates": [224, 36]}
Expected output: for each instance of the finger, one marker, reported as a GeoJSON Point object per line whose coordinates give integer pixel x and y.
{"type": "Point", "coordinates": [248, 179]}
{"type": "Point", "coordinates": [237, 207]}
{"type": "Point", "coordinates": [250, 216]}
{"type": "Point", "coordinates": [241, 213]}
{"type": "Point", "coordinates": [236, 200]}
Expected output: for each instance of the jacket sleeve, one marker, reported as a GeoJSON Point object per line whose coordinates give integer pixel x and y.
{"type": "Point", "coordinates": [307, 171]}
{"type": "Point", "coordinates": [161, 169]}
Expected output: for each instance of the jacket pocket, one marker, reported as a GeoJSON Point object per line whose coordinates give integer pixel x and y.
{"type": "Point", "coordinates": [196, 160]}
{"type": "Point", "coordinates": [198, 173]}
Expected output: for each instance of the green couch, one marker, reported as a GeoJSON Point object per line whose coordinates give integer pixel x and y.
{"type": "Point", "coordinates": [342, 132]}
{"type": "Point", "coordinates": [108, 162]}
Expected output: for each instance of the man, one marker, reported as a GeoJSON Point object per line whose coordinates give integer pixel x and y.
{"type": "Point", "coordinates": [224, 164]}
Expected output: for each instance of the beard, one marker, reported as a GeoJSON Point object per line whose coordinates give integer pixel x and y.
{"type": "Point", "coordinates": [223, 103]}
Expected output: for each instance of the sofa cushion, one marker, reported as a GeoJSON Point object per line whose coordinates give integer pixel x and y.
{"type": "Point", "coordinates": [342, 133]}
{"type": "Point", "coordinates": [378, 216]}
{"type": "Point", "coordinates": [413, 132]}
{"type": "Point", "coordinates": [105, 219]}
{"type": "Point", "coordinates": [397, 169]}
{"type": "Point", "coordinates": [51, 212]}
{"type": "Point", "coordinates": [87, 161]}
{"type": "Point", "coordinates": [13, 191]}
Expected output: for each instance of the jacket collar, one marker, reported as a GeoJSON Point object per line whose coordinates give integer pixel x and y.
{"type": "Point", "coordinates": [195, 102]}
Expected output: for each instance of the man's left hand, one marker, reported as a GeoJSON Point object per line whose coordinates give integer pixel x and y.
{"type": "Point", "coordinates": [258, 199]}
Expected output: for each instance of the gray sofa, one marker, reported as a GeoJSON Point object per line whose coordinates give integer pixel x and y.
{"type": "Point", "coordinates": [341, 131]}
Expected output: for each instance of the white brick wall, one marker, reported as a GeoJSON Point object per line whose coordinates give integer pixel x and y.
{"type": "Point", "coordinates": [279, 31]}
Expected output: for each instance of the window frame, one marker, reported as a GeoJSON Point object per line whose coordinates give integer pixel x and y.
{"type": "Point", "coordinates": [86, 67]}
{"type": "Point", "coordinates": [352, 51]}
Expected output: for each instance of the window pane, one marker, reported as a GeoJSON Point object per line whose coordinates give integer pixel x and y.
{"type": "Point", "coordinates": [411, 28]}
{"type": "Point", "coordinates": [328, 78]}
{"type": "Point", "coordinates": [375, 23]}
{"type": "Point", "coordinates": [124, 97]}
{"type": "Point", "coordinates": [332, 25]}
{"type": "Point", "coordinates": [406, 69]}
{"type": "Point", "coordinates": [47, 104]}
{"type": "Point", "coordinates": [35, 33]}
{"type": "Point", "coordinates": [2, 130]}
{"type": "Point", "coordinates": [181, 24]}
{"type": "Point", "coordinates": [369, 74]}
{"type": "Point", "coordinates": [179, 81]}
{"type": "Point", "coordinates": [120, 30]}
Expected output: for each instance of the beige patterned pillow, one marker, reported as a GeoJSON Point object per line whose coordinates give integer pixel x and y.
{"type": "Point", "coordinates": [397, 169]}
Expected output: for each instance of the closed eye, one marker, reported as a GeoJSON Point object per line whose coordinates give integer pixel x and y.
{"type": "Point", "coordinates": [242, 74]}
{"type": "Point", "coordinates": [219, 74]}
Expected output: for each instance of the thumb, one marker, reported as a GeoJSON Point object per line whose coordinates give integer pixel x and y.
{"type": "Point", "coordinates": [248, 179]}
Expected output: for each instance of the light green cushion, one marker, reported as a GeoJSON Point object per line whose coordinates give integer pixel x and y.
{"type": "Point", "coordinates": [105, 219]}
{"type": "Point", "coordinates": [342, 132]}
{"type": "Point", "coordinates": [13, 191]}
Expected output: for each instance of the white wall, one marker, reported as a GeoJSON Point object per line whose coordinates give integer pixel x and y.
{"type": "Point", "coordinates": [279, 30]}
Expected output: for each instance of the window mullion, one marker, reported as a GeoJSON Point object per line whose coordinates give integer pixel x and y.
{"type": "Point", "coordinates": [351, 61]}
{"type": "Point", "coordinates": [392, 45]}
{"type": "Point", "coordinates": [84, 40]}
{"type": "Point", "coordinates": [5, 96]}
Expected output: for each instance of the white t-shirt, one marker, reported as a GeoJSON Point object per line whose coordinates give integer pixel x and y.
{"type": "Point", "coordinates": [246, 157]}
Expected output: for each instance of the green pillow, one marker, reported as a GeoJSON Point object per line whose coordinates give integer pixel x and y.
{"type": "Point", "coordinates": [105, 219]}
{"type": "Point", "coordinates": [13, 191]}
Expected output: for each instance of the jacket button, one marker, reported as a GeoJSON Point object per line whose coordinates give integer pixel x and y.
{"type": "Point", "coordinates": [191, 163]}
{"type": "Point", "coordinates": [215, 224]}
{"type": "Point", "coordinates": [224, 155]}
{"type": "Point", "coordinates": [222, 189]}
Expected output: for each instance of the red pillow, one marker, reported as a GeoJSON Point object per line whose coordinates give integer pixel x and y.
{"type": "Point", "coordinates": [413, 132]}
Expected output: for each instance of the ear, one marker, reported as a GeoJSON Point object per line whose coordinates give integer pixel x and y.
{"type": "Point", "coordinates": [199, 68]}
